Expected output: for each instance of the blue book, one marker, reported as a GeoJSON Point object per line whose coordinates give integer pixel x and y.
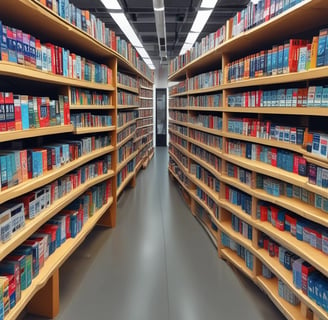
{"type": "Point", "coordinates": [318, 96]}
{"type": "Point", "coordinates": [4, 172]}
{"type": "Point", "coordinates": [4, 46]}
{"type": "Point", "coordinates": [322, 47]}
{"type": "Point", "coordinates": [324, 97]}
{"type": "Point", "coordinates": [280, 62]}
{"type": "Point", "coordinates": [274, 60]}
{"type": "Point", "coordinates": [11, 44]}
{"type": "Point", "coordinates": [37, 169]}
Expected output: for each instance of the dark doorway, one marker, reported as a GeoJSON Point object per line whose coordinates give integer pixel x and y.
{"type": "Point", "coordinates": [161, 129]}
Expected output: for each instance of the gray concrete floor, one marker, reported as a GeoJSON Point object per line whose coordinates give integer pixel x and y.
{"type": "Point", "coordinates": [157, 264]}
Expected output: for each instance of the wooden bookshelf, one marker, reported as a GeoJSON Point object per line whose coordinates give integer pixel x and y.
{"type": "Point", "coordinates": [91, 107]}
{"type": "Point", "coordinates": [124, 126]}
{"type": "Point", "coordinates": [94, 130]}
{"type": "Point", "coordinates": [277, 30]}
{"type": "Point", "coordinates": [124, 141]}
{"type": "Point", "coordinates": [122, 106]}
{"type": "Point", "coordinates": [125, 182]}
{"type": "Point", "coordinates": [127, 88]}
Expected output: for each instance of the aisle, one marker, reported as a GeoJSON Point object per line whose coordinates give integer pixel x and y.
{"type": "Point", "coordinates": [157, 264]}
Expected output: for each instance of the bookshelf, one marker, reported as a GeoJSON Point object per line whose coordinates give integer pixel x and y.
{"type": "Point", "coordinates": [65, 173]}
{"type": "Point", "coordinates": [230, 188]}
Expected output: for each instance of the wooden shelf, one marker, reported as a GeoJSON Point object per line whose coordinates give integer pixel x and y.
{"type": "Point", "coordinates": [204, 129]}
{"type": "Point", "coordinates": [270, 286]}
{"type": "Point", "coordinates": [125, 140]}
{"type": "Point", "coordinates": [127, 88]}
{"type": "Point", "coordinates": [179, 108]}
{"type": "Point", "coordinates": [179, 134]}
{"type": "Point", "coordinates": [32, 225]}
{"type": "Point", "coordinates": [145, 98]}
{"type": "Point", "coordinates": [238, 262]}
{"type": "Point", "coordinates": [213, 150]}
{"type": "Point", "coordinates": [317, 160]}
{"type": "Point", "coordinates": [182, 167]}
{"type": "Point", "coordinates": [287, 277]}
{"type": "Point", "coordinates": [180, 94]}
{"type": "Point", "coordinates": [128, 124]}
{"type": "Point", "coordinates": [310, 111]}
{"type": "Point", "coordinates": [32, 133]}
{"type": "Point", "coordinates": [120, 165]}
{"type": "Point", "coordinates": [29, 73]}
{"type": "Point", "coordinates": [125, 183]}
{"type": "Point", "coordinates": [204, 90]}
{"type": "Point", "coordinates": [315, 257]}
{"type": "Point", "coordinates": [56, 260]}
{"type": "Point", "coordinates": [180, 182]}
{"type": "Point", "coordinates": [181, 123]}
{"type": "Point", "coordinates": [91, 107]}
{"type": "Point", "coordinates": [123, 106]}
{"type": "Point", "coordinates": [205, 165]}
{"type": "Point", "coordinates": [145, 126]}
{"type": "Point", "coordinates": [210, 109]}
{"type": "Point", "coordinates": [50, 176]}
{"type": "Point", "coordinates": [146, 88]}
{"type": "Point", "coordinates": [94, 130]}
{"type": "Point", "coordinates": [207, 227]}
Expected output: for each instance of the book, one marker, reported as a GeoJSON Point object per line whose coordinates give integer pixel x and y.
{"type": "Point", "coordinates": [18, 112]}
{"type": "Point", "coordinates": [314, 52]}
{"type": "Point", "coordinates": [3, 122]}
{"type": "Point", "coordinates": [10, 111]}
{"type": "Point", "coordinates": [321, 50]}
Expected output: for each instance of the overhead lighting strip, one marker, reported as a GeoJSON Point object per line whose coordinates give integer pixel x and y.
{"type": "Point", "coordinates": [202, 16]}
{"type": "Point", "coordinates": [121, 20]}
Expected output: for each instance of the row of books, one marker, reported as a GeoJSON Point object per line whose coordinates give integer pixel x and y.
{"type": "Point", "coordinates": [145, 103]}
{"type": "Point", "coordinates": [207, 121]}
{"type": "Point", "coordinates": [207, 219]}
{"type": "Point", "coordinates": [208, 201]}
{"type": "Point", "coordinates": [179, 88]}
{"type": "Point", "coordinates": [125, 98]}
{"type": "Point", "coordinates": [242, 227]}
{"type": "Point", "coordinates": [23, 48]}
{"type": "Point", "coordinates": [208, 100]}
{"type": "Point", "coordinates": [126, 132]}
{"type": "Point", "coordinates": [206, 138]}
{"type": "Point", "coordinates": [241, 251]}
{"type": "Point", "coordinates": [144, 93]}
{"type": "Point", "coordinates": [205, 80]}
{"type": "Point", "coordinates": [239, 173]}
{"type": "Point", "coordinates": [206, 44]}
{"type": "Point", "coordinates": [145, 83]}
{"type": "Point", "coordinates": [144, 122]}
{"type": "Point", "coordinates": [178, 102]}
{"type": "Point", "coordinates": [22, 266]}
{"type": "Point", "coordinates": [206, 156]}
{"type": "Point", "coordinates": [304, 230]}
{"type": "Point", "coordinates": [266, 130]}
{"type": "Point", "coordinates": [122, 175]}
{"type": "Point", "coordinates": [296, 55]}
{"type": "Point", "coordinates": [256, 13]}
{"type": "Point", "coordinates": [239, 198]}
{"type": "Point", "coordinates": [17, 166]}
{"type": "Point", "coordinates": [89, 120]}
{"type": "Point", "coordinates": [312, 96]}
{"type": "Point", "coordinates": [89, 23]}
{"type": "Point", "coordinates": [127, 80]}
{"type": "Point", "coordinates": [145, 113]}
{"type": "Point", "coordinates": [179, 155]}
{"type": "Point", "coordinates": [13, 213]}
{"type": "Point", "coordinates": [21, 112]}
{"type": "Point", "coordinates": [178, 116]}
{"type": "Point", "coordinates": [205, 176]}
{"type": "Point", "coordinates": [179, 173]}
{"type": "Point", "coordinates": [144, 131]}
{"type": "Point", "coordinates": [126, 116]}
{"type": "Point", "coordinates": [181, 129]}
{"type": "Point", "coordinates": [125, 151]}
{"type": "Point", "coordinates": [81, 96]}
{"type": "Point", "coordinates": [178, 140]}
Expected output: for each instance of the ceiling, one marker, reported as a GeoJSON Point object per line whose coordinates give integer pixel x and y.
{"type": "Point", "coordinates": [179, 16]}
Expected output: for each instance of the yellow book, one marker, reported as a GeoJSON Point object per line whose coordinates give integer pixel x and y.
{"type": "Point", "coordinates": [314, 52]}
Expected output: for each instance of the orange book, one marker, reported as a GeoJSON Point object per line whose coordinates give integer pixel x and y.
{"type": "Point", "coordinates": [314, 52]}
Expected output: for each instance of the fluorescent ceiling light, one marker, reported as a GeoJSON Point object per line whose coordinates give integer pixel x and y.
{"type": "Point", "coordinates": [185, 48]}
{"type": "Point", "coordinates": [126, 28]}
{"type": "Point", "coordinates": [143, 53]}
{"type": "Point", "coordinates": [159, 9]}
{"type": "Point", "coordinates": [111, 4]}
{"type": "Point", "coordinates": [192, 37]}
{"type": "Point", "coordinates": [200, 20]}
{"type": "Point", "coordinates": [208, 4]}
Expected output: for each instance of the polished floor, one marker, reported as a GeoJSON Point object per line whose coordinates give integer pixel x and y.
{"type": "Point", "coordinates": [157, 264]}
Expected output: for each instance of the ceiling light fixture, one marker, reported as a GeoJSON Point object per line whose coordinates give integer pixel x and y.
{"type": "Point", "coordinates": [210, 4]}
{"type": "Point", "coordinates": [200, 20]}
{"type": "Point", "coordinates": [159, 9]}
{"type": "Point", "coordinates": [111, 4]}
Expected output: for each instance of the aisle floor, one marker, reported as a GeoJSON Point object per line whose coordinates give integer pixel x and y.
{"type": "Point", "coordinates": [157, 264]}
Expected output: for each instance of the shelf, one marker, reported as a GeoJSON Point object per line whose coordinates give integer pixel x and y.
{"type": "Point", "coordinates": [32, 133]}
{"type": "Point", "coordinates": [207, 227]}
{"type": "Point", "coordinates": [295, 205]}
{"type": "Point", "coordinates": [287, 277]}
{"type": "Point", "coordinates": [50, 176]}
{"type": "Point", "coordinates": [145, 126]}
{"type": "Point", "coordinates": [94, 129]}
{"type": "Point", "coordinates": [234, 182]}
{"type": "Point", "coordinates": [179, 134]}
{"type": "Point", "coordinates": [210, 109]}
{"type": "Point", "coordinates": [145, 135]}
{"type": "Point", "coordinates": [91, 107]}
{"type": "Point", "coordinates": [237, 262]}
{"type": "Point", "coordinates": [179, 108]}
{"type": "Point", "coordinates": [125, 140]}
{"type": "Point", "coordinates": [181, 123]}
{"type": "Point", "coordinates": [225, 226]}
{"type": "Point", "coordinates": [317, 160]}
{"type": "Point", "coordinates": [127, 88]}
{"type": "Point", "coordinates": [312, 74]}
{"type": "Point", "coordinates": [270, 286]}
{"type": "Point", "coordinates": [125, 183]}
{"type": "Point", "coordinates": [32, 225]}
{"type": "Point", "coordinates": [55, 261]}
{"type": "Point", "coordinates": [146, 88]}
{"type": "Point", "coordinates": [182, 167]}
{"type": "Point", "coordinates": [180, 94]}
{"type": "Point", "coordinates": [146, 117]}
{"type": "Point", "coordinates": [179, 181]}
{"type": "Point", "coordinates": [145, 98]}
{"type": "Point", "coordinates": [30, 73]}
{"type": "Point", "coordinates": [205, 165]}
{"type": "Point", "coordinates": [312, 255]}
{"type": "Point", "coordinates": [128, 124]}
{"type": "Point", "coordinates": [210, 149]}
{"type": "Point", "coordinates": [120, 165]}
{"type": "Point", "coordinates": [309, 111]}
{"type": "Point", "coordinates": [204, 90]}
{"type": "Point", "coordinates": [201, 128]}
{"type": "Point", "coordinates": [123, 106]}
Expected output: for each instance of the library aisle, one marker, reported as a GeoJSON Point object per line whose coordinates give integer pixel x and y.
{"type": "Point", "coordinates": [157, 264]}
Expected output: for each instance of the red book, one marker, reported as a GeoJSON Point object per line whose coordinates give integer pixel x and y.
{"type": "Point", "coordinates": [307, 269]}
{"type": "Point", "coordinates": [295, 163]}
{"type": "Point", "coordinates": [264, 213]}
{"type": "Point", "coordinates": [67, 117]}
{"type": "Point", "coordinates": [3, 125]}
{"type": "Point", "coordinates": [10, 111]}
{"type": "Point", "coordinates": [274, 153]}
{"type": "Point", "coordinates": [56, 59]}
{"type": "Point", "coordinates": [18, 112]}
{"type": "Point", "coordinates": [43, 112]}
